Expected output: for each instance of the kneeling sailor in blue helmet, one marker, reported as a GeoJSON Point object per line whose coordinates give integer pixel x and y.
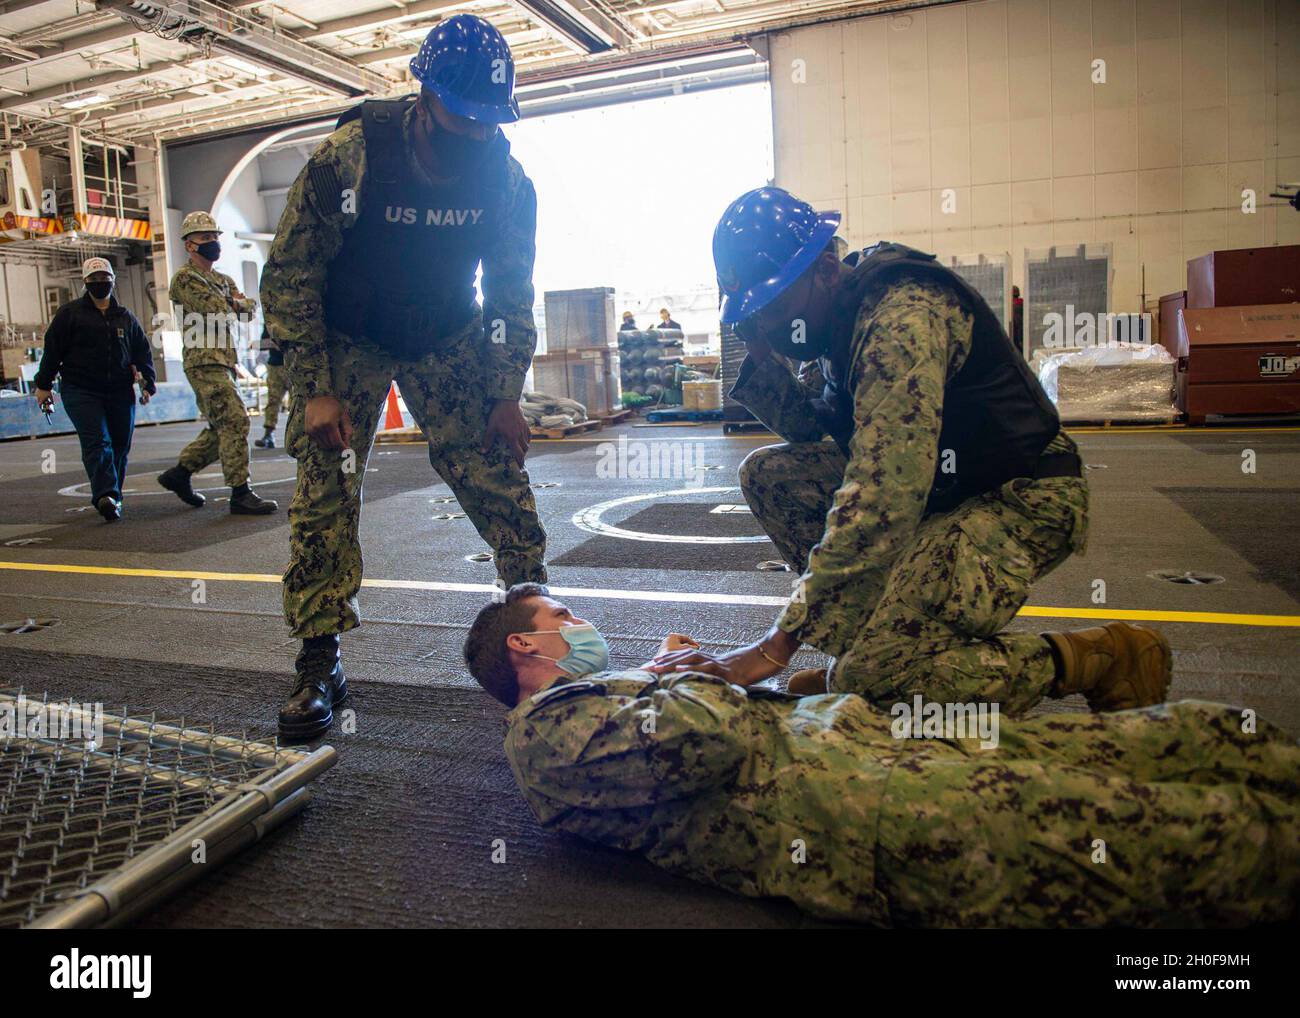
{"type": "Point", "coordinates": [946, 490]}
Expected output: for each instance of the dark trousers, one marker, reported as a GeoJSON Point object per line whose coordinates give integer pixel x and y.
{"type": "Point", "coordinates": [104, 422]}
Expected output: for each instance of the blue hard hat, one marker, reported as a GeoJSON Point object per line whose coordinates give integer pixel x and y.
{"type": "Point", "coordinates": [763, 243]}
{"type": "Point", "coordinates": [467, 64]}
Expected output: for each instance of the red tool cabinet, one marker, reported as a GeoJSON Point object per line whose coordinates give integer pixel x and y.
{"type": "Point", "coordinates": [1238, 360]}
{"type": "Point", "coordinates": [1248, 275]}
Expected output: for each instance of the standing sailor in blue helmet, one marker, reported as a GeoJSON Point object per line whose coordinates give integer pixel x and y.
{"type": "Point", "coordinates": [370, 280]}
{"type": "Point", "coordinates": [948, 487]}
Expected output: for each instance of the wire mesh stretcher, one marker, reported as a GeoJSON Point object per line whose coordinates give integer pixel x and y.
{"type": "Point", "coordinates": [103, 816]}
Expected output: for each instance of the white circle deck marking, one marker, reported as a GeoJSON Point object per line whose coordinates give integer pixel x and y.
{"type": "Point", "coordinates": [589, 519]}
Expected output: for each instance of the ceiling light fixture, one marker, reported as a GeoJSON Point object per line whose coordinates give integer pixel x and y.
{"type": "Point", "coordinates": [245, 66]}
{"type": "Point", "coordinates": [82, 101]}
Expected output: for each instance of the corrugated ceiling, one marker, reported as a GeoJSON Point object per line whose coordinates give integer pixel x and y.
{"type": "Point", "coordinates": [169, 70]}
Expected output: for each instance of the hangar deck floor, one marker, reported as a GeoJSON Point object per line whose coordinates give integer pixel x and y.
{"type": "Point", "coordinates": [400, 832]}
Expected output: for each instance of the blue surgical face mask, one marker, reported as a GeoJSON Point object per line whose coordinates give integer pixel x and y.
{"type": "Point", "coordinates": [588, 651]}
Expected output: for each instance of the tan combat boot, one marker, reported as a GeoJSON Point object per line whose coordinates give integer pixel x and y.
{"type": "Point", "coordinates": [1116, 666]}
{"type": "Point", "coordinates": [808, 682]}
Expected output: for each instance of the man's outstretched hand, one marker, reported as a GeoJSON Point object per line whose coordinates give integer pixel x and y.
{"type": "Point", "coordinates": [744, 666]}
{"type": "Point", "coordinates": [676, 641]}
{"type": "Point", "coordinates": [506, 421]}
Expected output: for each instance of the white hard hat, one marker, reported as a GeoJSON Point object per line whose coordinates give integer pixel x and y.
{"type": "Point", "coordinates": [92, 265]}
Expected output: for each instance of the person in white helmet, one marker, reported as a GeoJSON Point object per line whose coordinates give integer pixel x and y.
{"type": "Point", "coordinates": [99, 352]}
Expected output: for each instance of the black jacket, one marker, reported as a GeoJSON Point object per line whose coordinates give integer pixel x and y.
{"type": "Point", "coordinates": [95, 350]}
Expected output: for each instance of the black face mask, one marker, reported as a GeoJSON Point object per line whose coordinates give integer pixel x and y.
{"type": "Point", "coordinates": [458, 154]}
{"type": "Point", "coordinates": [100, 291]}
{"type": "Point", "coordinates": [790, 336]}
{"type": "Point", "coordinates": [211, 250]}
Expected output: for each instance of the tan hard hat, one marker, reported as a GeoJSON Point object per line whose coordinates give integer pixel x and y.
{"type": "Point", "coordinates": [198, 222]}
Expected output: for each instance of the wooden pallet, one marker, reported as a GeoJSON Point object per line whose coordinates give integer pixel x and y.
{"type": "Point", "coordinates": [1120, 425]}
{"type": "Point", "coordinates": [566, 432]}
{"type": "Point", "coordinates": [399, 436]}
{"type": "Point", "coordinates": [616, 417]}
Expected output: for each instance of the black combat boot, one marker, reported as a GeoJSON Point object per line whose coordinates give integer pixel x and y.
{"type": "Point", "coordinates": [245, 501]}
{"type": "Point", "coordinates": [267, 441]}
{"type": "Point", "coordinates": [109, 508]}
{"type": "Point", "coordinates": [318, 689]}
{"type": "Point", "coordinates": [177, 479]}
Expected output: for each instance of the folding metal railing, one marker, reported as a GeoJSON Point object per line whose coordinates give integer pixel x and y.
{"type": "Point", "coordinates": [102, 816]}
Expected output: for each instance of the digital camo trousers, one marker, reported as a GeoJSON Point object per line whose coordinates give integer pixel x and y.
{"type": "Point", "coordinates": [1182, 814]}
{"type": "Point", "coordinates": [324, 571]}
{"type": "Point", "coordinates": [277, 384]}
{"type": "Point", "coordinates": [956, 585]}
{"type": "Point", "coordinates": [226, 436]}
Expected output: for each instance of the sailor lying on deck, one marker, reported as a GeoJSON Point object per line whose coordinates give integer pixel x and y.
{"type": "Point", "coordinates": [1174, 814]}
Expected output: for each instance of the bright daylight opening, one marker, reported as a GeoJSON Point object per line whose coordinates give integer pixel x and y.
{"type": "Point", "coordinates": [628, 195]}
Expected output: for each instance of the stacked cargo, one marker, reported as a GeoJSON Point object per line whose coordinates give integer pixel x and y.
{"type": "Point", "coordinates": [582, 358]}
{"type": "Point", "coordinates": [649, 360]}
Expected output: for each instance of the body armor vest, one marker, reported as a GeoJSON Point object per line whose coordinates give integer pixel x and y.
{"type": "Point", "coordinates": [404, 278]}
{"type": "Point", "coordinates": [996, 418]}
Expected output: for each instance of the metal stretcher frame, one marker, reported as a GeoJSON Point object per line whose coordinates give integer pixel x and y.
{"type": "Point", "coordinates": [140, 801]}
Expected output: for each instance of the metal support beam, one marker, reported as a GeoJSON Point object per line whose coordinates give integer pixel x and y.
{"type": "Point", "coordinates": [578, 23]}
{"type": "Point", "coordinates": [252, 39]}
{"type": "Point", "coordinates": [387, 16]}
{"type": "Point", "coordinates": [176, 97]}
{"type": "Point", "coordinates": [78, 161]}
{"type": "Point", "coordinates": [151, 185]}
{"type": "Point", "coordinates": [73, 45]}
{"type": "Point", "coordinates": [71, 88]}
{"type": "Point", "coordinates": [14, 6]}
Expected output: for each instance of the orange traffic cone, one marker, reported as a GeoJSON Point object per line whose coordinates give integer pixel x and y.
{"type": "Point", "coordinates": [393, 418]}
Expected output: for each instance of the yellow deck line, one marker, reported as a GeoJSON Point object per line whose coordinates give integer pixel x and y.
{"type": "Point", "coordinates": [671, 596]}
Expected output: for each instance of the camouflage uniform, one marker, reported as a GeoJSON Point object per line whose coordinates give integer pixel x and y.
{"type": "Point", "coordinates": [209, 359]}
{"type": "Point", "coordinates": [450, 390]}
{"type": "Point", "coordinates": [277, 384]}
{"type": "Point", "coordinates": [897, 597]}
{"type": "Point", "coordinates": [1166, 815]}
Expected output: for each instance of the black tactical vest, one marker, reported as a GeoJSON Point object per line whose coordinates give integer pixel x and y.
{"type": "Point", "coordinates": [404, 278]}
{"type": "Point", "coordinates": [996, 418]}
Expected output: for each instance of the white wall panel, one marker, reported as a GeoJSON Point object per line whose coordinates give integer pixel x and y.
{"type": "Point", "coordinates": [868, 149]}
{"type": "Point", "coordinates": [996, 101]}
{"type": "Point", "coordinates": [22, 288]}
{"type": "Point", "coordinates": [950, 120]}
{"type": "Point", "coordinates": [909, 103]}
{"type": "Point", "coordinates": [1030, 79]}
{"type": "Point", "coordinates": [988, 72]}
